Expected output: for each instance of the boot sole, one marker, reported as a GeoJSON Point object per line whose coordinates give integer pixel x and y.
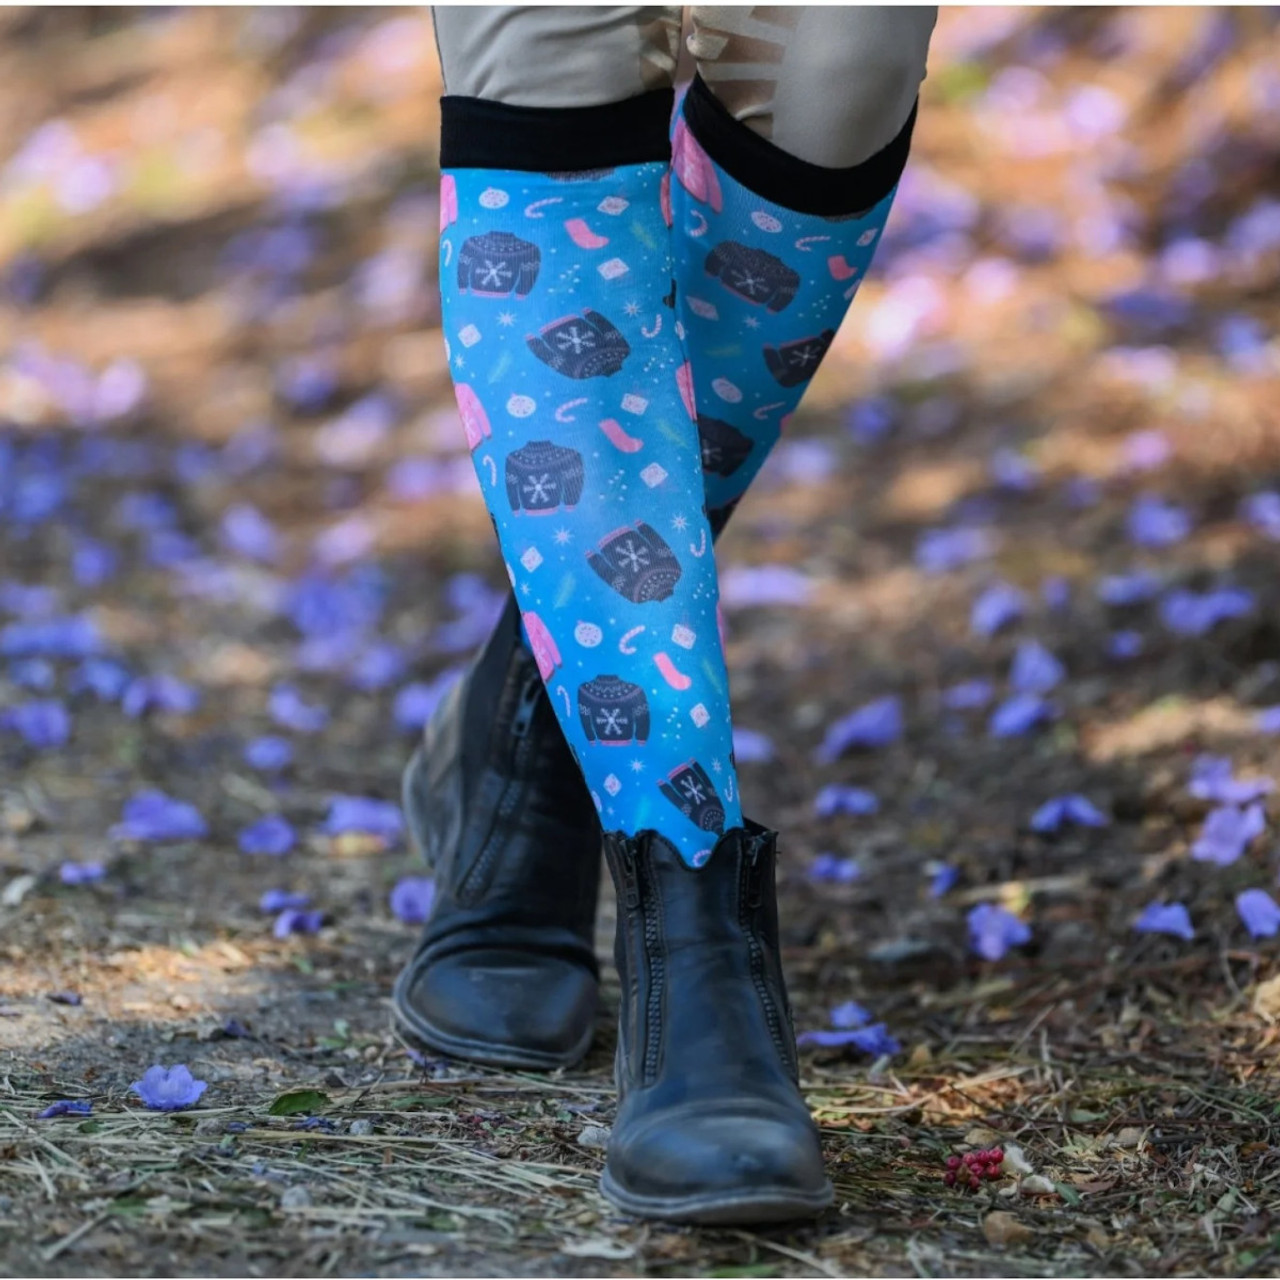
{"type": "Point", "coordinates": [748, 1207]}
{"type": "Point", "coordinates": [485, 1053]}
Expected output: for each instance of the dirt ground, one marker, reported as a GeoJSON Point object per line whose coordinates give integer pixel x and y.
{"type": "Point", "coordinates": [1075, 306]}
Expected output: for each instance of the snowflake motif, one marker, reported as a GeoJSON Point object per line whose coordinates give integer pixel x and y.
{"type": "Point", "coordinates": [495, 274]}
{"type": "Point", "coordinates": [561, 537]}
{"type": "Point", "coordinates": [575, 340]}
{"type": "Point", "coordinates": [525, 588]}
{"type": "Point", "coordinates": [633, 557]}
{"type": "Point", "coordinates": [459, 362]}
{"type": "Point", "coordinates": [609, 722]}
{"type": "Point", "coordinates": [751, 322]}
{"type": "Point", "coordinates": [752, 285]}
{"type": "Point", "coordinates": [506, 319]}
{"type": "Point", "coordinates": [538, 488]}
{"type": "Point", "coordinates": [716, 766]}
{"type": "Point", "coordinates": [637, 766]}
{"type": "Point", "coordinates": [802, 357]}
{"type": "Point", "coordinates": [693, 790]}
{"type": "Point", "coordinates": [631, 309]}
{"type": "Point", "coordinates": [679, 523]}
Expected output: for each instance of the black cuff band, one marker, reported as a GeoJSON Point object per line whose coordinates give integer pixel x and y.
{"type": "Point", "coordinates": [478, 134]}
{"type": "Point", "coordinates": [793, 183]}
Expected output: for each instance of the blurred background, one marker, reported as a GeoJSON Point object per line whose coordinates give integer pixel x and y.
{"type": "Point", "coordinates": [1019, 544]}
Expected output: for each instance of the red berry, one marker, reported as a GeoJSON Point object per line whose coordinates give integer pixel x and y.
{"type": "Point", "coordinates": [950, 1179]}
{"type": "Point", "coordinates": [997, 1155]}
{"type": "Point", "coordinates": [953, 1162]}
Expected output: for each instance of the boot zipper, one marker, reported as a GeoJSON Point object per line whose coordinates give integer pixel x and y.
{"type": "Point", "coordinates": [752, 899]}
{"type": "Point", "coordinates": [478, 874]}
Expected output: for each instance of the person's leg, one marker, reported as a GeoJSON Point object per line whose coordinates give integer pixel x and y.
{"type": "Point", "coordinates": [788, 150]}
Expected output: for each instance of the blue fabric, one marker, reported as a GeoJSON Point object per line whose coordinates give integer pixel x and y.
{"type": "Point", "coordinates": [577, 405]}
{"type": "Point", "coordinates": [762, 291]}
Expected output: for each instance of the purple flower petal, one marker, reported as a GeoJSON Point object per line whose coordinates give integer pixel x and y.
{"type": "Point", "coordinates": [1268, 720]}
{"type": "Point", "coordinates": [1155, 523]}
{"type": "Point", "coordinates": [837, 799]}
{"type": "Point", "coordinates": [247, 532]}
{"type": "Point", "coordinates": [293, 920]}
{"type": "Point", "coordinates": [287, 708]}
{"type": "Point", "coordinates": [152, 815]}
{"type": "Point", "coordinates": [940, 550]}
{"type": "Point", "coordinates": [81, 872]}
{"type": "Point", "coordinates": [272, 836]}
{"type": "Point", "coordinates": [1069, 810]}
{"type": "Point", "coordinates": [43, 725]}
{"type": "Point", "coordinates": [1191, 613]}
{"type": "Point", "coordinates": [1262, 511]}
{"type": "Point", "coordinates": [1056, 593]}
{"type": "Point", "coordinates": [33, 673]}
{"type": "Point", "coordinates": [163, 693]}
{"type": "Point", "coordinates": [412, 898]}
{"type": "Point", "coordinates": [281, 900]}
{"type": "Point", "coordinates": [1018, 715]}
{"type": "Point", "coordinates": [827, 868]}
{"type": "Point", "coordinates": [1123, 645]}
{"type": "Point", "coordinates": [72, 998]}
{"type": "Point", "coordinates": [416, 703]}
{"type": "Point", "coordinates": [877, 724]}
{"type": "Point", "coordinates": [848, 1015]}
{"type": "Point", "coordinates": [67, 1107]}
{"type": "Point", "coordinates": [968, 695]}
{"type": "Point", "coordinates": [1035, 669]}
{"type": "Point", "coordinates": [105, 678]}
{"type": "Point", "coordinates": [270, 754]}
{"type": "Point", "coordinates": [73, 637]}
{"type": "Point", "coordinates": [944, 879]}
{"type": "Point", "coordinates": [1128, 588]}
{"type": "Point", "coordinates": [377, 666]}
{"type": "Point", "coordinates": [1211, 779]}
{"type": "Point", "coordinates": [1258, 910]}
{"type": "Point", "coordinates": [1227, 833]}
{"type": "Point", "coordinates": [362, 814]}
{"type": "Point", "coordinates": [997, 607]}
{"type": "Point", "coordinates": [1011, 470]}
{"type": "Point", "coordinates": [1146, 450]}
{"type": "Point", "coordinates": [993, 930]}
{"type": "Point", "coordinates": [169, 1088]}
{"type": "Point", "coordinates": [772, 584]}
{"type": "Point", "coordinates": [1171, 918]}
{"type": "Point", "coordinates": [874, 1039]}
{"type": "Point", "coordinates": [751, 747]}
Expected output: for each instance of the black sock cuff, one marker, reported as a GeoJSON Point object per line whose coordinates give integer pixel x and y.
{"type": "Point", "coordinates": [476, 133]}
{"type": "Point", "coordinates": [784, 179]}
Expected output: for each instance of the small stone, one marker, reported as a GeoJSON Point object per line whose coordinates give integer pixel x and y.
{"type": "Point", "coordinates": [361, 1128]}
{"type": "Point", "coordinates": [1128, 1137]}
{"type": "Point", "coordinates": [980, 1136]}
{"type": "Point", "coordinates": [595, 1136]}
{"type": "Point", "coordinates": [210, 1124]}
{"type": "Point", "coordinates": [295, 1198]}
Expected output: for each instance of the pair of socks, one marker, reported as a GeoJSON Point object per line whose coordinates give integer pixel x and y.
{"type": "Point", "coordinates": [629, 323]}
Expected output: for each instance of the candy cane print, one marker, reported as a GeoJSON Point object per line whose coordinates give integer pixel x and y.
{"type": "Point", "coordinates": [805, 241]}
{"type": "Point", "coordinates": [446, 248]}
{"type": "Point", "coordinates": [531, 210]}
{"type": "Point", "coordinates": [568, 705]}
{"type": "Point", "coordinates": [675, 678]}
{"type": "Point", "coordinates": [617, 437]}
{"type": "Point", "coordinates": [657, 328]}
{"type": "Point", "coordinates": [493, 468]}
{"type": "Point", "coordinates": [700, 548]}
{"type": "Point", "coordinates": [728, 788]}
{"type": "Point", "coordinates": [563, 414]}
{"type": "Point", "coordinates": [766, 409]}
{"type": "Point", "coordinates": [625, 645]}
{"type": "Point", "coordinates": [701, 229]}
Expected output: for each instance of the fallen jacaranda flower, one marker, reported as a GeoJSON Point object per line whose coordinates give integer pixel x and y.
{"type": "Point", "coordinates": [281, 900]}
{"type": "Point", "coordinates": [360, 813]}
{"type": "Point", "coordinates": [837, 799]}
{"type": "Point", "coordinates": [67, 1107]}
{"type": "Point", "coordinates": [376, 666]}
{"type": "Point", "coordinates": [105, 678]}
{"type": "Point", "coordinates": [1070, 810]}
{"type": "Point", "coordinates": [940, 550]}
{"type": "Point", "coordinates": [1146, 450]}
{"type": "Point", "coordinates": [1011, 470]}
{"type": "Point", "coordinates": [143, 511]}
{"type": "Point", "coordinates": [827, 868]}
{"type": "Point", "coordinates": [1171, 918]}
{"type": "Point", "coordinates": [1258, 909]}
{"type": "Point", "coordinates": [850, 1014]}
{"type": "Point", "coordinates": [1268, 720]}
{"type": "Point", "coordinates": [81, 872]}
{"type": "Point", "coordinates": [874, 1039]}
{"type": "Point", "coordinates": [1262, 511]}
{"type": "Point", "coordinates": [248, 533]}
{"type": "Point", "coordinates": [1056, 593]}
{"type": "Point", "coordinates": [269, 753]}
{"type": "Point", "coordinates": [878, 724]}
{"type": "Point", "coordinates": [1155, 523]}
{"type": "Point", "coordinates": [152, 815]}
{"type": "Point", "coordinates": [745, 586]}
{"type": "Point", "coordinates": [44, 724]}
{"type": "Point", "coordinates": [25, 600]}
{"type": "Point", "coordinates": [1123, 645]}
{"type": "Point", "coordinates": [169, 1088]}
{"type": "Point", "coordinates": [164, 693]}
{"type": "Point", "coordinates": [968, 695]}
{"type": "Point", "coordinates": [1192, 613]}
{"type": "Point", "coordinates": [33, 673]}
{"type": "Point", "coordinates": [871, 419]}
{"type": "Point", "coordinates": [72, 998]}
{"type": "Point", "coordinates": [412, 898]}
{"type": "Point", "coordinates": [271, 835]}
{"type": "Point", "coordinates": [943, 879]}
{"type": "Point", "coordinates": [751, 747]}
{"type": "Point", "coordinates": [993, 930]}
{"type": "Point", "coordinates": [73, 637]}
{"type": "Point", "coordinates": [1211, 779]}
{"type": "Point", "coordinates": [997, 607]}
{"type": "Point", "coordinates": [1034, 669]}
{"type": "Point", "coordinates": [1227, 832]}
{"type": "Point", "coordinates": [1128, 588]}
{"type": "Point", "coordinates": [293, 920]}
{"type": "Point", "coordinates": [1018, 715]}
{"type": "Point", "coordinates": [287, 708]}
{"type": "Point", "coordinates": [415, 704]}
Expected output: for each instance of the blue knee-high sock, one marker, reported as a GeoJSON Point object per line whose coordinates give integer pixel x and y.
{"type": "Point", "coordinates": [576, 398]}
{"type": "Point", "coordinates": [770, 251]}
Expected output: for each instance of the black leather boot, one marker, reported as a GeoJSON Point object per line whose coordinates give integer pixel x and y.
{"type": "Point", "coordinates": [506, 970]}
{"type": "Point", "coordinates": [711, 1126]}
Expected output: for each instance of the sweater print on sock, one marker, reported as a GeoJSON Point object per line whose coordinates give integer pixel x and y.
{"type": "Point", "coordinates": [762, 291]}
{"type": "Point", "coordinates": [577, 405]}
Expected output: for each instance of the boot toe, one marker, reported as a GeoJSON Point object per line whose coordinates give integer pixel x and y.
{"type": "Point", "coordinates": [498, 1006]}
{"type": "Point", "coordinates": [720, 1164]}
